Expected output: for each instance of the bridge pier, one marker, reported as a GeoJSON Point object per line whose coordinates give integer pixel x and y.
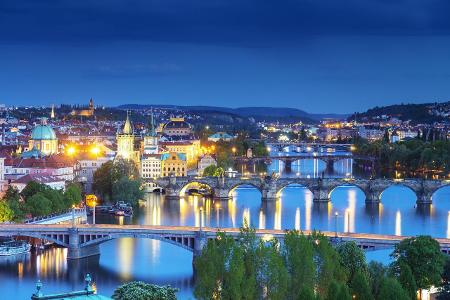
{"type": "Point", "coordinates": [200, 242]}
{"type": "Point", "coordinates": [373, 198]}
{"type": "Point", "coordinates": [75, 251]}
{"type": "Point", "coordinates": [330, 165]}
{"type": "Point", "coordinates": [221, 194]}
{"type": "Point", "coordinates": [321, 195]}
{"type": "Point", "coordinates": [424, 198]}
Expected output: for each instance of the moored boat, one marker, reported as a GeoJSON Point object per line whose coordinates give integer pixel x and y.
{"type": "Point", "coordinates": [11, 247]}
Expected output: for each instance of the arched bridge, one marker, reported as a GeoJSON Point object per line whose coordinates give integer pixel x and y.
{"type": "Point", "coordinates": [83, 240]}
{"type": "Point", "coordinates": [321, 188]}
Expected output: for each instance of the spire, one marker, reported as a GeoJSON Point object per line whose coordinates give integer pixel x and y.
{"type": "Point", "coordinates": [127, 129]}
{"type": "Point", "coordinates": [52, 114]}
{"type": "Point", "coordinates": [151, 131]}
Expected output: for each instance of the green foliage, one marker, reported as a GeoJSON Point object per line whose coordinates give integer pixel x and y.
{"type": "Point", "coordinates": [444, 292]}
{"type": "Point", "coordinates": [337, 291]}
{"type": "Point", "coordinates": [118, 181]}
{"type": "Point", "coordinates": [390, 289]}
{"type": "Point", "coordinates": [359, 286]}
{"type": "Point", "coordinates": [407, 281]}
{"type": "Point", "coordinates": [72, 195]}
{"type": "Point", "coordinates": [272, 276]}
{"type": "Point", "coordinates": [12, 198]}
{"type": "Point", "coordinates": [38, 205]}
{"type": "Point", "coordinates": [6, 213]}
{"type": "Point", "coordinates": [306, 293]}
{"type": "Point", "coordinates": [353, 259]}
{"type": "Point", "coordinates": [298, 252]}
{"type": "Point", "coordinates": [423, 256]}
{"type": "Point", "coordinates": [138, 290]}
{"type": "Point", "coordinates": [376, 273]}
{"type": "Point", "coordinates": [213, 171]}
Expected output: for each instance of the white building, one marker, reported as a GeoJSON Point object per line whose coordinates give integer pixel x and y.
{"type": "Point", "coordinates": [204, 162]}
{"type": "Point", "coordinates": [85, 169]}
{"type": "Point", "coordinates": [150, 169]}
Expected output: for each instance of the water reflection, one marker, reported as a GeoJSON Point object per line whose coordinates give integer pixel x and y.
{"type": "Point", "coordinates": [161, 263]}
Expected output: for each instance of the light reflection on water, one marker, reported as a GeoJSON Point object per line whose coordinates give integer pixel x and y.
{"type": "Point", "coordinates": [162, 263]}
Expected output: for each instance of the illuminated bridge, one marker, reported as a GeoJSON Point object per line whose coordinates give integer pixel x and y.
{"type": "Point", "coordinates": [83, 240]}
{"type": "Point", "coordinates": [321, 188]}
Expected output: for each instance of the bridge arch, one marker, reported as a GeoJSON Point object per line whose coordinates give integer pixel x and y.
{"type": "Point", "coordinates": [292, 184]}
{"type": "Point", "coordinates": [439, 188]}
{"type": "Point", "coordinates": [200, 182]}
{"type": "Point", "coordinates": [233, 187]}
{"type": "Point", "coordinates": [59, 239]}
{"type": "Point", "coordinates": [333, 188]}
{"type": "Point", "coordinates": [396, 185]}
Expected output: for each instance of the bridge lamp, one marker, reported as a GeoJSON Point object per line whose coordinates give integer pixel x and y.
{"type": "Point", "coordinates": [352, 148]}
{"type": "Point", "coordinates": [95, 150]}
{"type": "Point", "coordinates": [71, 150]}
{"type": "Point", "coordinates": [233, 150]}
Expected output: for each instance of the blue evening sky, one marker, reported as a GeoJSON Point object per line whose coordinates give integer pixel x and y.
{"type": "Point", "coordinates": [322, 56]}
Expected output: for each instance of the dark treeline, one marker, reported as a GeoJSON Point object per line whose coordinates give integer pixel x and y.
{"type": "Point", "coordinates": [311, 267]}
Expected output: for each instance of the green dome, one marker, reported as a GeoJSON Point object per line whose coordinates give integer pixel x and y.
{"type": "Point", "coordinates": [43, 132]}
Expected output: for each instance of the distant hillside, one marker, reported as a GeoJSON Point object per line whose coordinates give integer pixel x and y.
{"type": "Point", "coordinates": [416, 113]}
{"type": "Point", "coordinates": [256, 113]}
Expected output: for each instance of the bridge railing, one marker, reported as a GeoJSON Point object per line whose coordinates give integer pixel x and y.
{"type": "Point", "coordinates": [76, 211]}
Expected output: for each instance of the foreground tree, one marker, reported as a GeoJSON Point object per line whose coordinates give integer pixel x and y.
{"type": "Point", "coordinates": [390, 289]}
{"type": "Point", "coordinates": [360, 288]}
{"type": "Point", "coordinates": [38, 205]}
{"type": "Point", "coordinates": [12, 198]}
{"type": "Point", "coordinates": [138, 290]}
{"type": "Point", "coordinates": [6, 213]}
{"type": "Point", "coordinates": [298, 252]}
{"type": "Point", "coordinates": [422, 254]}
{"type": "Point", "coordinates": [72, 195]}
{"type": "Point", "coordinates": [376, 274]}
{"type": "Point", "coordinates": [353, 260]}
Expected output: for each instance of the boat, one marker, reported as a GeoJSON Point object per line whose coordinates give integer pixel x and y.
{"type": "Point", "coordinates": [12, 247]}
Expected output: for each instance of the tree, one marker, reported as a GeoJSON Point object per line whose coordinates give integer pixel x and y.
{"type": "Point", "coordinates": [234, 276]}
{"type": "Point", "coordinates": [38, 205]}
{"type": "Point", "coordinates": [360, 288]}
{"type": "Point", "coordinates": [298, 253]}
{"type": "Point", "coordinates": [103, 181]}
{"type": "Point", "coordinates": [344, 293]}
{"type": "Point", "coordinates": [444, 292]}
{"type": "Point", "coordinates": [213, 171]}
{"type": "Point", "coordinates": [272, 275]}
{"type": "Point", "coordinates": [248, 243]}
{"type": "Point", "coordinates": [72, 195]}
{"type": "Point", "coordinates": [376, 273]}
{"type": "Point", "coordinates": [138, 290]}
{"type": "Point", "coordinates": [423, 255]}
{"type": "Point", "coordinates": [6, 213]}
{"type": "Point", "coordinates": [407, 281]}
{"type": "Point", "coordinates": [306, 293]}
{"type": "Point", "coordinates": [12, 198]}
{"type": "Point", "coordinates": [390, 289]}
{"type": "Point", "coordinates": [127, 190]}
{"type": "Point", "coordinates": [352, 259]}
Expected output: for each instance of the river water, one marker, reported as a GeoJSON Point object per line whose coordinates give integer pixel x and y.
{"type": "Point", "coordinates": [157, 262]}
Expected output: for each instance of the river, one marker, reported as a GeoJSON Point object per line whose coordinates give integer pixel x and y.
{"type": "Point", "coordinates": [162, 263]}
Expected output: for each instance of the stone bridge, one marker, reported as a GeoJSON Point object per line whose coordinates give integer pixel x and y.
{"type": "Point", "coordinates": [321, 188]}
{"type": "Point", "coordinates": [84, 240]}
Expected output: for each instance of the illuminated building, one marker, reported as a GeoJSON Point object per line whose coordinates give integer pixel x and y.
{"type": "Point", "coordinates": [204, 162]}
{"type": "Point", "coordinates": [151, 139]}
{"type": "Point", "coordinates": [173, 164]}
{"type": "Point", "coordinates": [177, 127]}
{"type": "Point", "coordinates": [125, 143]}
{"type": "Point", "coordinates": [43, 138]}
{"type": "Point", "coordinates": [89, 112]}
{"type": "Point", "coordinates": [189, 148]}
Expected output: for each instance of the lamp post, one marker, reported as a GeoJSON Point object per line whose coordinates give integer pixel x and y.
{"type": "Point", "coordinates": [336, 214]}
{"type": "Point", "coordinates": [93, 213]}
{"type": "Point", "coordinates": [201, 217]}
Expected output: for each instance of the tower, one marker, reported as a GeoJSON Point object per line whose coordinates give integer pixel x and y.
{"type": "Point", "coordinates": [150, 138]}
{"type": "Point", "coordinates": [125, 142]}
{"type": "Point", "coordinates": [52, 114]}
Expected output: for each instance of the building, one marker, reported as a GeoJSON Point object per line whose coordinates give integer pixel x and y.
{"type": "Point", "coordinates": [53, 182]}
{"type": "Point", "coordinates": [56, 165]}
{"type": "Point", "coordinates": [173, 164]}
{"type": "Point", "coordinates": [220, 136]}
{"type": "Point", "coordinates": [190, 148]}
{"type": "Point", "coordinates": [151, 166]}
{"type": "Point", "coordinates": [151, 139]}
{"type": "Point", "coordinates": [85, 168]}
{"type": "Point", "coordinates": [177, 127]}
{"type": "Point", "coordinates": [44, 139]}
{"type": "Point", "coordinates": [88, 112]}
{"type": "Point", "coordinates": [125, 143]}
{"type": "Point", "coordinates": [204, 162]}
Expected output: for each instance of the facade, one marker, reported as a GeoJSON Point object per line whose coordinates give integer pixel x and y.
{"type": "Point", "coordinates": [89, 112]}
{"type": "Point", "coordinates": [85, 168]}
{"type": "Point", "coordinates": [55, 165]}
{"type": "Point", "coordinates": [125, 143]}
{"type": "Point", "coordinates": [177, 127]}
{"type": "Point", "coordinates": [173, 164]}
{"type": "Point", "coordinates": [151, 166]}
{"type": "Point", "coordinates": [151, 139]}
{"type": "Point", "coordinates": [53, 182]}
{"type": "Point", "coordinates": [44, 139]}
{"type": "Point", "coordinates": [191, 149]}
{"type": "Point", "coordinates": [220, 136]}
{"type": "Point", "coordinates": [204, 162]}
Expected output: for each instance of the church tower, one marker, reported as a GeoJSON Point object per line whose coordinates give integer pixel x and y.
{"type": "Point", "coordinates": [52, 114]}
{"type": "Point", "coordinates": [125, 142]}
{"type": "Point", "coordinates": [150, 138]}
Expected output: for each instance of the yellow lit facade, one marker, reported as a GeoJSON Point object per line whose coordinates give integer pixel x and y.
{"type": "Point", "coordinates": [191, 149]}
{"type": "Point", "coordinates": [125, 143]}
{"type": "Point", "coordinates": [173, 164]}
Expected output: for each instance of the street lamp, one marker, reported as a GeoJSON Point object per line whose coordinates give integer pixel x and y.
{"type": "Point", "coordinates": [336, 214]}
{"type": "Point", "coordinates": [233, 150]}
{"type": "Point", "coordinates": [201, 215]}
{"type": "Point", "coordinates": [93, 213]}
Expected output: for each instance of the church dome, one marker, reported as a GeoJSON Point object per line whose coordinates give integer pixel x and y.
{"type": "Point", "coordinates": [43, 132]}
{"type": "Point", "coordinates": [175, 124]}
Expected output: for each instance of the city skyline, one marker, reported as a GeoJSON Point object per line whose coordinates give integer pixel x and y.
{"type": "Point", "coordinates": [319, 57]}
